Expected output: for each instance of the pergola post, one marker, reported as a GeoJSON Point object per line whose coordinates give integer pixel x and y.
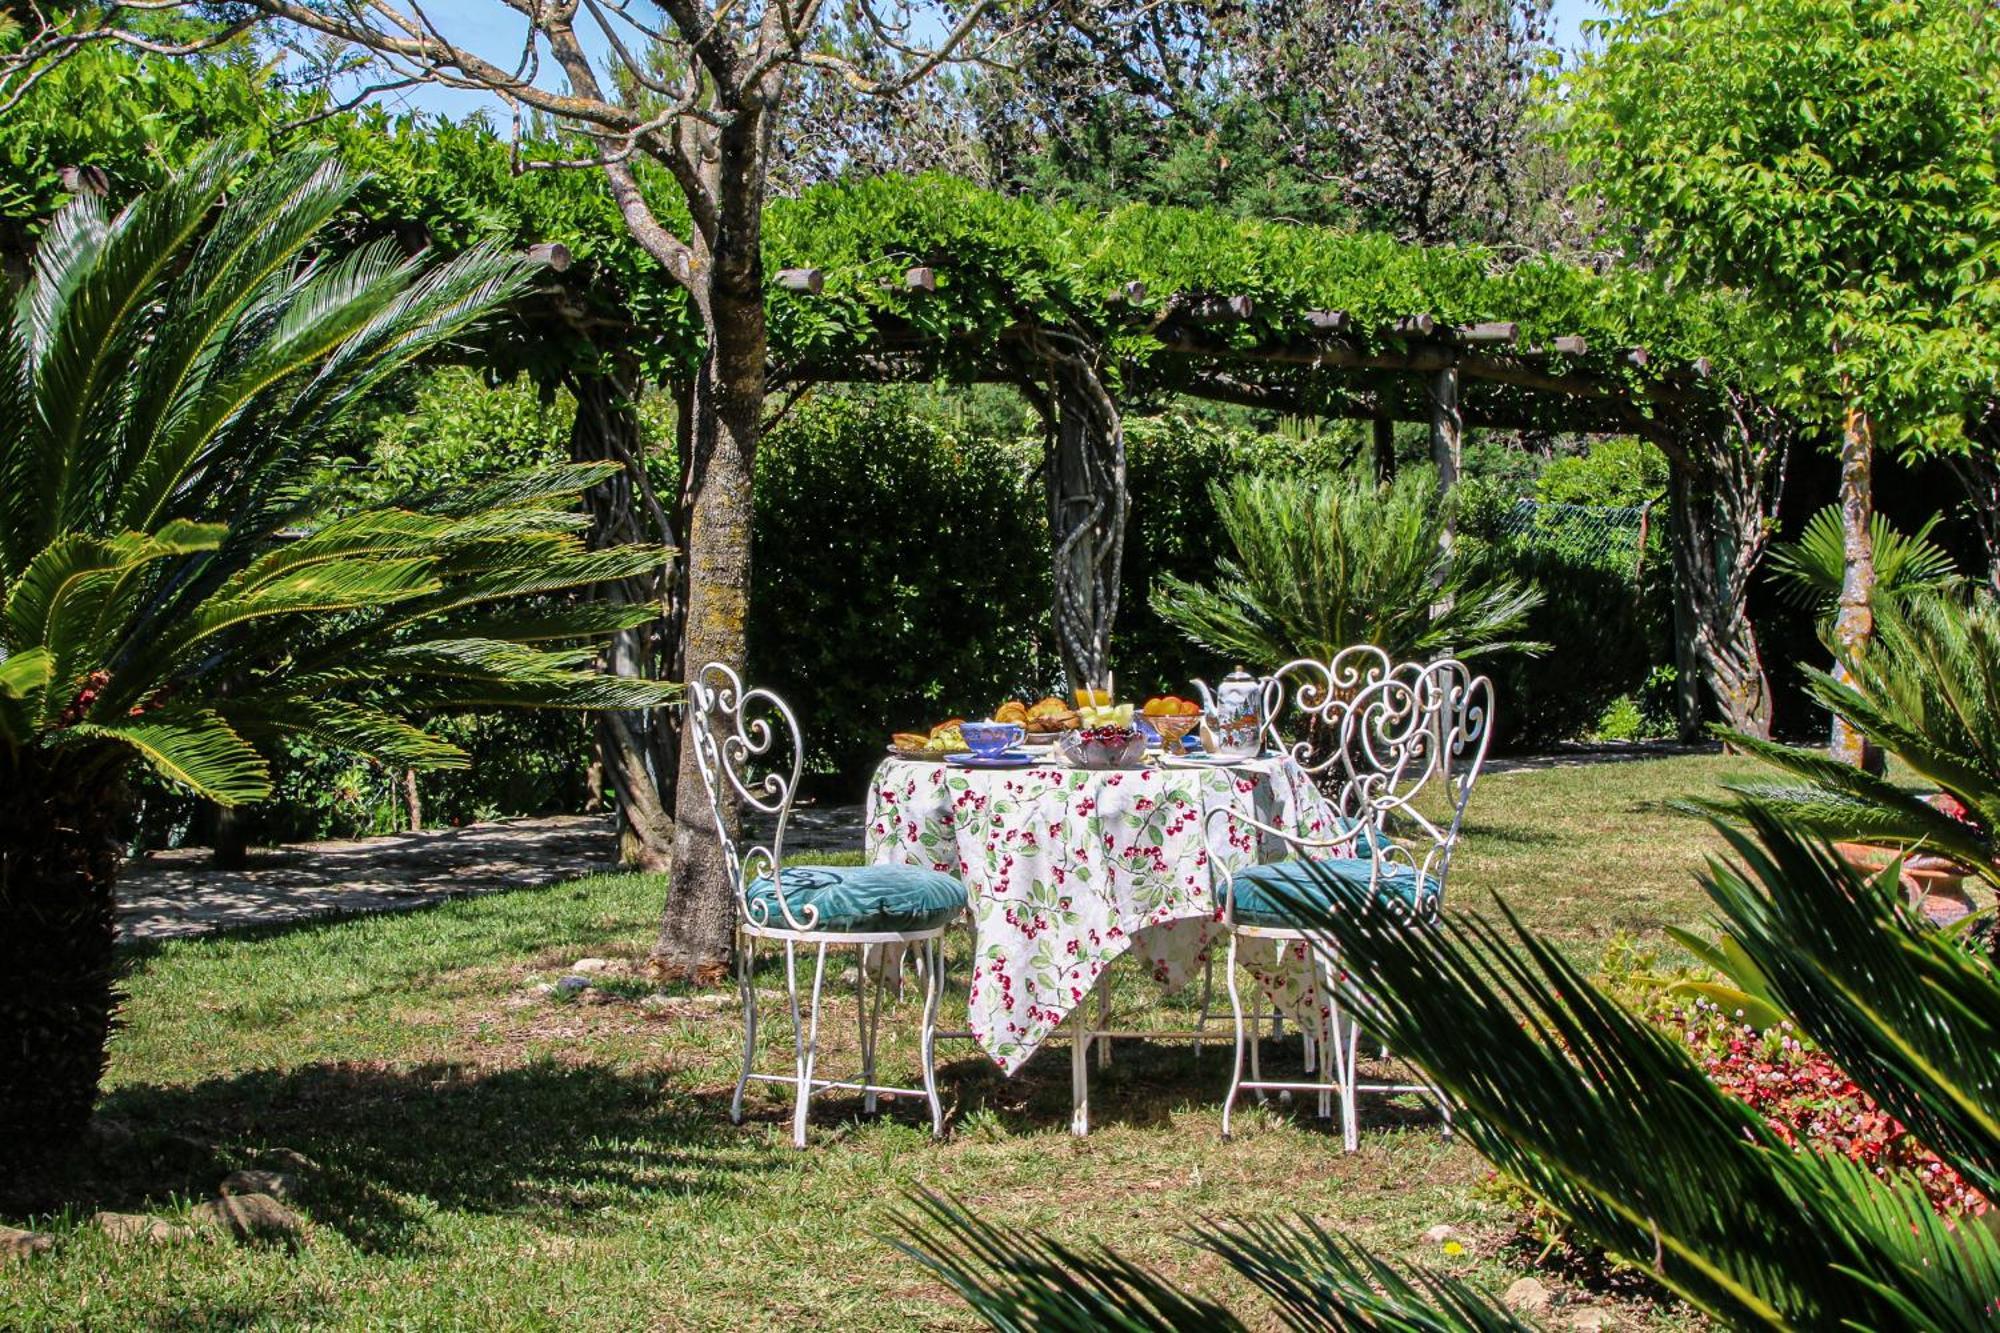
{"type": "Point", "coordinates": [1447, 428]}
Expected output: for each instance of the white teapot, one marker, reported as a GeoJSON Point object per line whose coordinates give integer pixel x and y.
{"type": "Point", "coordinates": [1232, 724]}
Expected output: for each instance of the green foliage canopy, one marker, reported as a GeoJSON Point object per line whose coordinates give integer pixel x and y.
{"type": "Point", "coordinates": [1002, 264]}
{"type": "Point", "coordinates": [1836, 160]}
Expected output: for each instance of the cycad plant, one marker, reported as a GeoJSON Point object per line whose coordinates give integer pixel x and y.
{"type": "Point", "coordinates": [1321, 564]}
{"type": "Point", "coordinates": [1610, 1121]}
{"type": "Point", "coordinates": [171, 595]}
{"type": "Point", "coordinates": [1927, 690]}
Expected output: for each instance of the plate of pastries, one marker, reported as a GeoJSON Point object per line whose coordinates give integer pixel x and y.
{"type": "Point", "coordinates": [940, 741]}
{"type": "Point", "coordinates": [1044, 720]}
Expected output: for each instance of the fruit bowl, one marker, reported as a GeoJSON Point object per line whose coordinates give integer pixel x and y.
{"type": "Point", "coordinates": [1102, 747]}
{"type": "Point", "coordinates": [1173, 728]}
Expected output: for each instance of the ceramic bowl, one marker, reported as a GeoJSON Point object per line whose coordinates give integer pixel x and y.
{"type": "Point", "coordinates": [1104, 747]}
{"type": "Point", "coordinates": [988, 739]}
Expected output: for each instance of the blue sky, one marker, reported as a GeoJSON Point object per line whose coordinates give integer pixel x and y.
{"type": "Point", "coordinates": [483, 26]}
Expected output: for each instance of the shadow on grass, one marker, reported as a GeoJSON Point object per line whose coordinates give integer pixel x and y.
{"type": "Point", "coordinates": [389, 1145]}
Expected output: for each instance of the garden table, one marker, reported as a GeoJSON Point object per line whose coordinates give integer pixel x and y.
{"type": "Point", "coordinates": [1066, 869]}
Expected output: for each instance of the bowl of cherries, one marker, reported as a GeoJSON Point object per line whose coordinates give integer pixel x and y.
{"type": "Point", "coordinates": [1103, 747]}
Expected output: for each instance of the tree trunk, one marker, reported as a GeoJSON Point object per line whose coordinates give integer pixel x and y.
{"type": "Point", "coordinates": [59, 856]}
{"type": "Point", "coordinates": [638, 750]}
{"type": "Point", "coordinates": [1725, 475]}
{"type": "Point", "coordinates": [413, 801]}
{"type": "Point", "coordinates": [1087, 507]}
{"type": "Point", "coordinates": [1384, 440]}
{"type": "Point", "coordinates": [697, 930]}
{"type": "Point", "coordinates": [1854, 623]}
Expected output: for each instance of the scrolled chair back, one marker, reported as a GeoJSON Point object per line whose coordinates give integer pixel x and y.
{"type": "Point", "coordinates": [747, 743]}
{"type": "Point", "coordinates": [1412, 730]}
{"type": "Point", "coordinates": [1321, 693]}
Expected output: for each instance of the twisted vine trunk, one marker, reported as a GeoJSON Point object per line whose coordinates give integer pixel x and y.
{"type": "Point", "coordinates": [1726, 473]}
{"type": "Point", "coordinates": [1087, 507]}
{"type": "Point", "coordinates": [59, 856]}
{"type": "Point", "coordinates": [639, 751]}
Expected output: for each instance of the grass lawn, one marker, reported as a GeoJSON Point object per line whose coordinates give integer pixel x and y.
{"type": "Point", "coordinates": [484, 1157]}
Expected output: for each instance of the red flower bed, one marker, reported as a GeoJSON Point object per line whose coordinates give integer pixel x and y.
{"type": "Point", "coordinates": [1809, 1100]}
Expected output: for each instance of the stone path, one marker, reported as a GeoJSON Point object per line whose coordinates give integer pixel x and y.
{"type": "Point", "coordinates": [178, 892]}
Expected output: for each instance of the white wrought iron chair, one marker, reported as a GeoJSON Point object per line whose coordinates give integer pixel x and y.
{"type": "Point", "coordinates": [817, 907]}
{"type": "Point", "coordinates": [1401, 735]}
{"type": "Point", "coordinates": [1320, 694]}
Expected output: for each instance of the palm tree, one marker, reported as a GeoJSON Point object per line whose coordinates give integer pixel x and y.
{"type": "Point", "coordinates": [1611, 1122]}
{"type": "Point", "coordinates": [170, 592]}
{"type": "Point", "coordinates": [1322, 565]}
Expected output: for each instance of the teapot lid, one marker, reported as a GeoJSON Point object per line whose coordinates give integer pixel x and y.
{"type": "Point", "coordinates": [1238, 674]}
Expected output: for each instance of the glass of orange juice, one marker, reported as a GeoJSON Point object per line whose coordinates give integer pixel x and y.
{"type": "Point", "coordinates": [1086, 698]}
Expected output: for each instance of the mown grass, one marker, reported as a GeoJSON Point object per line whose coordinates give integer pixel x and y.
{"type": "Point", "coordinates": [487, 1158]}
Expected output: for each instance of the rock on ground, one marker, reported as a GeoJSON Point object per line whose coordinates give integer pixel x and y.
{"type": "Point", "coordinates": [130, 1228]}
{"type": "Point", "coordinates": [1593, 1321]}
{"type": "Point", "coordinates": [277, 1184]}
{"type": "Point", "coordinates": [1527, 1296]}
{"type": "Point", "coordinates": [18, 1244]}
{"type": "Point", "coordinates": [250, 1217]}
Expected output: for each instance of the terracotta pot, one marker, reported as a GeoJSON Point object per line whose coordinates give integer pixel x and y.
{"type": "Point", "coordinates": [1935, 884]}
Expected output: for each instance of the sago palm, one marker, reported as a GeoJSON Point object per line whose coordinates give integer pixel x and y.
{"type": "Point", "coordinates": [1321, 565]}
{"type": "Point", "coordinates": [1927, 690]}
{"type": "Point", "coordinates": [1612, 1123]}
{"type": "Point", "coordinates": [170, 595]}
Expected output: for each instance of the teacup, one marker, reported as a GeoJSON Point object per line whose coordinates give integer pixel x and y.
{"type": "Point", "coordinates": [988, 739]}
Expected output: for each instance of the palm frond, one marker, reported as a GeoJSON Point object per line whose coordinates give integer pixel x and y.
{"type": "Point", "coordinates": [343, 725]}
{"type": "Point", "coordinates": [191, 748]}
{"type": "Point", "coordinates": [1016, 1281]}
{"type": "Point", "coordinates": [1317, 1280]}
{"type": "Point", "coordinates": [1612, 1123]}
{"type": "Point", "coordinates": [90, 335]}
{"type": "Point", "coordinates": [1908, 1016]}
{"type": "Point", "coordinates": [1809, 571]}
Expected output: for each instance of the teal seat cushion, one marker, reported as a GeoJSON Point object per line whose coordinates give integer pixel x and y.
{"type": "Point", "coordinates": [1367, 838]}
{"type": "Point", "coordinates": [1265, 894]}
{"type": "Point", "coordinates": [858, 899]}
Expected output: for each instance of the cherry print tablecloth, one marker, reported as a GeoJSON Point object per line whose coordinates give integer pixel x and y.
{"type": "Point", "coordinates": [1066, 869]}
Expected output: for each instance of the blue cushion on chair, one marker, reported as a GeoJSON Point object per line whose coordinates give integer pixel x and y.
{"type": "Point", "coordinates": [1264, 894]}
{"type": "Point", "coordinates": [858, 898]}
{"type": "Point", "coordinates": [1367, 838]}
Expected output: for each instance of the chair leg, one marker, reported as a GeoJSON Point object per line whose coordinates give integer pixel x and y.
{"type": "Point", "coordinates": [805, 1035]}
{"type": "Point", "coordinates": [1207, 995]}
{"type": "Point", "coordinates": [1327, 1037]}
{"type": "Point", "coordinates": [1079, 1068]}
{"type": "Point", "coordinates": [932, 962]}
{"type": "Point", "coordinates": [1350, 1118]}
{"type": "Point", "coordinates": [1309, 1048]}
{"type": "Point", "coordinates": [1236, 1017]}
{"type": "Point", "coordinates": [1104, 1020]}
{"type": "Point", "coordinates": [746, 962]}
{"type": "Point", "coordinates": [868, 1004]}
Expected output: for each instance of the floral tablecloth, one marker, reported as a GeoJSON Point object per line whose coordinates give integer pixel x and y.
{"type": "Point", "coordinates": [1066, 869]}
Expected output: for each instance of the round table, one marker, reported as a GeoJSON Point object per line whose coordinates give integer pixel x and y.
{"type": "Point", "coordinates": [1065, 869]}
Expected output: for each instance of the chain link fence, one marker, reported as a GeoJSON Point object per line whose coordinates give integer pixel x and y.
{"type": "Point", "coordinates": [1604, 535]}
